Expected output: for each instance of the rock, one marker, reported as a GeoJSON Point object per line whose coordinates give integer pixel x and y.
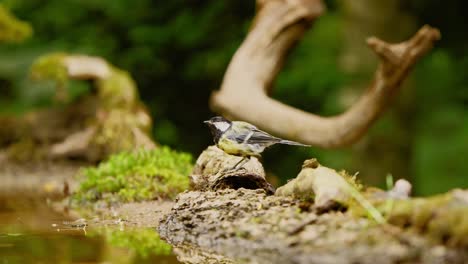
{"type": "Point", "coordinates": [324, 185]}
{"type": "Point", "coordinates": [214, 171]}
{"type": "Point", "coordinates": [250, 226]}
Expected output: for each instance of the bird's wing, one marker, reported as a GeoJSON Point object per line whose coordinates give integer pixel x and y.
{"type": "Point", "coordinates": [250, 134]}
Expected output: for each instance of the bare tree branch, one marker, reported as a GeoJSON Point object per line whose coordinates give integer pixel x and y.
{"type": "Point", "coordinates": [86, 67]}
{"type": "Point", "coordinates": [278, 25]}
{"type": "Point", "coordinates": [108, 120]}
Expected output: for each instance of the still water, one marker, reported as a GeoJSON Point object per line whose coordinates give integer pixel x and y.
{"type": "Point", "coordinates": [30, 232]}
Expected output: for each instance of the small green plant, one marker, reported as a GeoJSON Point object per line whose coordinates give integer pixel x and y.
{"type": "Point", "coordinates": [136, 176]}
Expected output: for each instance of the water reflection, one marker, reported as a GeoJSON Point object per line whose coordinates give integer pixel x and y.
{"type": "Point", "coordinates": [30, 232]}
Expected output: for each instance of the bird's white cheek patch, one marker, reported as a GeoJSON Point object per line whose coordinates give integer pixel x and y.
{"type": "Point", "coordinates": [223, 126]}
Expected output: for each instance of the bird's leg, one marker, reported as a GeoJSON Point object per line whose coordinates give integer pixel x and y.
{"type": "Point", "coordinates": [240, 163]}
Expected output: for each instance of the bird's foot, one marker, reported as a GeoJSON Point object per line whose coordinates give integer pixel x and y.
{"type": "Point", "coordinates": [232, 170]}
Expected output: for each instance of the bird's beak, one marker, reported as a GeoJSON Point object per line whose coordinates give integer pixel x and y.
{"type": "Point", "coordinates": [207, 122]}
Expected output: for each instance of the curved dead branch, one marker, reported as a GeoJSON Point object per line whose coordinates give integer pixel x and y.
{"type": "Point", "coordinates": [119, 111]}
{"type": "Point", "coordinates": [278, 25]}
{"type": "Point", "coordinates": [86, 67]}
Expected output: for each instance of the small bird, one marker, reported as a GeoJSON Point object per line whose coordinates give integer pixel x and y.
{"type": "Point", "coordinates": [241, 138]}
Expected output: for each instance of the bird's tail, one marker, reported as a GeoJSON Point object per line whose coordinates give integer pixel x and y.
{"type": "Point", "coordinates": [293, 143]}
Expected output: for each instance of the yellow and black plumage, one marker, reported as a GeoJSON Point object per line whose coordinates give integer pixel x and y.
{"type": "Point", "coordinates": [241, 138]}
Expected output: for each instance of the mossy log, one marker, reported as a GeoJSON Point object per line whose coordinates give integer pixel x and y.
{"type": "Point", "coordinates": [108, 120]}
{"type": "Point", "coordinates": [250, 225]}
{"type": "Point", "coordinates": [444, 218]}
{"type": "Point", "coordinates": [253, 226]}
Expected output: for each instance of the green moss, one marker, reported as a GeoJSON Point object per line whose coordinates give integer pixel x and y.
{"type": "Point", "coordinates": [12, 29]}
{"type": "Point", "coordinates": [118, 90]}
{"type": "Point", "coordinates": [121, 121]}
{"type": "Point", "coordinates": [51, 67]}
{"type": "Point", "coordinates": [115, 133]}
{"type": "Point", "coordinates": [136, 176]}
{"type": "Point", "coordinates": [142, 241]}
{"type": "Point", "coordinates": [118, 98]}
{"type": "Point", "coordinates": [25, 150]}
{"type": "Point", "coordinates": [365, 206]}
{"type": "Point", "coordinates": [355, 189]}
{"type": "Point", "coordinates": [352, 180]}
{"type": "Point", "coordinates": [442, 217]}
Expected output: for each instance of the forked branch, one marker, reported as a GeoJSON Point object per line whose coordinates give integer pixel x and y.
{"type": "Point", "coordinates": [278, 25]}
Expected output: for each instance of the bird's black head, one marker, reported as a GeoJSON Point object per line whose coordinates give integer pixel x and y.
{"type": "Point", "coordinates": [218, 125]}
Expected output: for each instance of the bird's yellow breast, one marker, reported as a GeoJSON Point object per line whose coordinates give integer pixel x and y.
{"type": "Point", "coordinates": [240, 149]}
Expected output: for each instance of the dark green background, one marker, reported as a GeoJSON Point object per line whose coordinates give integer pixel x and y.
{"type": "Point", "coordinates": [177, 52]}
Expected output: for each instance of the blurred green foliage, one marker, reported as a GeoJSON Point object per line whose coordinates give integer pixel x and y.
{"type": "Point", "coordinates": [143, 175]}
{"type": "Point", "coordinates": [177, 52]}
{"type": "Point", "coordinates": [12, 29]}
{"type": "Point", "coordinates": [441, 123]}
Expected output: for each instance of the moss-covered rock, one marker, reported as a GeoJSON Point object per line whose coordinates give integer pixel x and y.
{"type": "Point", "coordinates": [141, 175]}
{"type": "Point", "coordinates": [315, 182]}
{"type": "Point", "coordinates": [114, 87]}
{"type": "Point", "coordinates": [442, 217]}
{"type": "Point", "coordinates": [107, 120]}
{"type": "Point", "coordinates": [250, 226]}
{"type": "Point", "coordinates": [214, 170]}
{"type": "Point", "coordinates": [328, 189]}
{"type": "Point", "coordinates": [118, 90]}
{"type": "Point", "coordinates": [51, 67]}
